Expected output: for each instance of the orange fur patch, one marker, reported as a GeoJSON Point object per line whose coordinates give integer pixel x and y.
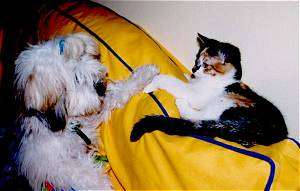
{"type": "Point", "coordinates": [240, 101]}
{"type": "Point", "coordinates": [49, 102]}
{"type": "Point", "coordinates": [217, 67]}
{"type": "Point", "coordinates": [243, 86]}
{"type": "Point", "coordinates": [31, 77]}
{"type": "Point", "coordinates": [222, 68]}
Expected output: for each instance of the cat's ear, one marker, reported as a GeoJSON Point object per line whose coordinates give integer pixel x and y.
{"type": "Point", "coordinates": [202, 40]}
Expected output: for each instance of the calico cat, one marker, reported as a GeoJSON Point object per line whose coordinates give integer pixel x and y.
{"type": "Point", "coordinates": [215, 103]}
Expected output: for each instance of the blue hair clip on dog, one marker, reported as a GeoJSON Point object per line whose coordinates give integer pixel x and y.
{"type": "Point", "coordinates": [61, 46]}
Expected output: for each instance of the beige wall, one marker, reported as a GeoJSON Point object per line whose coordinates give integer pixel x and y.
{"type": "Point", "coordinates": [266, 32]}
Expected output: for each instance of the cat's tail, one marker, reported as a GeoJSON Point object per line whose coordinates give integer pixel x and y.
{"type": "Point", "coordinates": [244, 133]}
{"type": "Point", "coordinates": [168, 125]}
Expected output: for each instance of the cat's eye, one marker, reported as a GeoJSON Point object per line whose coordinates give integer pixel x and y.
{"type": "Point", "coordinates": [212, 52]}
{"type": "Point", "coordinates": [204, 65]}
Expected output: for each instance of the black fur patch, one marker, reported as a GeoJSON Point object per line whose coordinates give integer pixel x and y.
{"type": "Point", "coordinates": [264, 121]}
{"type": "Point", "coordinates": [171, 126]}
{"type": "Point", "coordinates": [55, 123]}
{"type": "Point", "coordinates": [237, 125]}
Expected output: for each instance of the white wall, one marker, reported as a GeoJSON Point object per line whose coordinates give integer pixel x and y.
{"type": "Point", "coordinates": [266, 32]}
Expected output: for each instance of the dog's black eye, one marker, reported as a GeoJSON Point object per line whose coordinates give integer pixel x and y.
{"type": "Point", "coordinates": [100, 87]}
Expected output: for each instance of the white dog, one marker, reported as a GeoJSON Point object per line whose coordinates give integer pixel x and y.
{"type": "Point", "coordinates": [63, 87]}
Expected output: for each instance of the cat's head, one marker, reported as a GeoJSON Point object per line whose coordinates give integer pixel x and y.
{"type": "Point", "coordinates": [216, 58]}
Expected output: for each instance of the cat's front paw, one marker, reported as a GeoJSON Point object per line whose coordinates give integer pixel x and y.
{"type": "Point", "coordinates": [154, 85]}
{"type": "Point", "coordinates": [150, 87]}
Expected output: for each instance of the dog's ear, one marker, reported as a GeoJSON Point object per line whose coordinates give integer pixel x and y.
{"type": "Point", "coordinates": [38, 80]}
{"type": "Point", "coordinates": [33, 97]}
{"type": "Point", "coordinates": [25, 79]}
{"type": "Point", "coordinates": [79, 44]}
{"type": "Point", "coordinates": [28, 85]}
{"type": "Point", "coordinates": [41, 91]}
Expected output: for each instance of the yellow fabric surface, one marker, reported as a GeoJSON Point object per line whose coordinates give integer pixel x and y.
{"type": "Point", "coordinates": [159, 161]}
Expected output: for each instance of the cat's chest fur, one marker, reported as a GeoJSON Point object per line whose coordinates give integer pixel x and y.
{"type": "Point", "coordinates": [210, 99]}
{"type": "Point", "coordinates": [215, 108]}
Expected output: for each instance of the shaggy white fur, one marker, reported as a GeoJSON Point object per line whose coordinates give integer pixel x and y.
{"type": "Point", "coordinates": [49, 78]}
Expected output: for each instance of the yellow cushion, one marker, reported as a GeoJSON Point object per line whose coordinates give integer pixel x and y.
{"type": "Point", "coordinates": [159, 161]}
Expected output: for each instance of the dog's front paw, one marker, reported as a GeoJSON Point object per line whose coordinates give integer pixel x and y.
{"type": "Point", "coordinates": [152, 71]}
{"type": "Point", "coordinates": [146, 72]}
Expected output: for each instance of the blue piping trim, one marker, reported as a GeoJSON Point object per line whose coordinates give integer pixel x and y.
{"type": "Point", "coordinates": [295, 141]}
{"type": "Point", "coordinates": [159, 104]}
{"type": "Point", "coordinates": [245, 152]}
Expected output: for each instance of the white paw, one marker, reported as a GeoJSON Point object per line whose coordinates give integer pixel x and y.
{"type": "Point", "coordinates": [146, 72]}
{"type": "Point", "coordinates": [152, 70]}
